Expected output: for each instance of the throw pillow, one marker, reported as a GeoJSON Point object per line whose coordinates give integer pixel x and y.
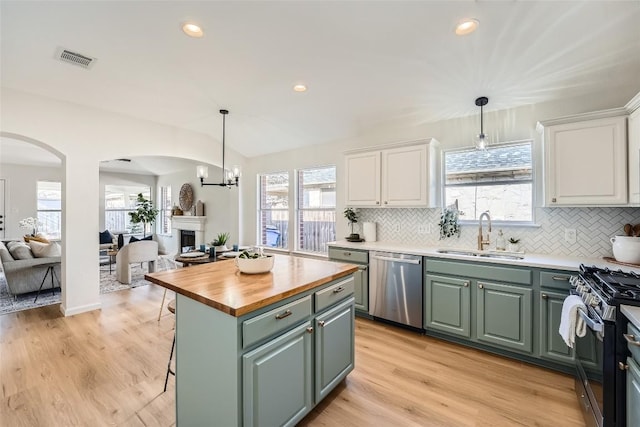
{"type": "Point", "coordinates": [45, 250]}
{"type": "Point", "coordinates": [4, 253]}
{"type": "Point", "coordinates": [20, 251]}
{"type": "Point", "coordinates": [106, 237]}
{"type": "Point", "coordinates": [120, 241]}
{"type": "Point", "coordinates": [135, 239]}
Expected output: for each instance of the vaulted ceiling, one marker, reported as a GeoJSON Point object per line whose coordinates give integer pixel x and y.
{"type": "Point", "coordinates": [364, 62]}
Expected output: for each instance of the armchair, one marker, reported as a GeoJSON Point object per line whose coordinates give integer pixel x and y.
{"type": "Point", "coordinates": [141, 251]}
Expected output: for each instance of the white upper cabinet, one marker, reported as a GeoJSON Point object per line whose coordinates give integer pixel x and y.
{"type": "Point", "coordinates": [586, 161]}
{"type": "Point", "coordinates": [392, 177]}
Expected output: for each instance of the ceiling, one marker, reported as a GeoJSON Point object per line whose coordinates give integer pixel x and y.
{"type": "Point", "coordinates": [364, 62]}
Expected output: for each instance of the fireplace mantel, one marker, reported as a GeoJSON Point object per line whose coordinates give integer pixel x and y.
{"type": "Point", "coordinates": [191, 223]}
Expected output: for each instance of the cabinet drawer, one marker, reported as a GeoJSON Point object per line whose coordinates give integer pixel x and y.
{"type": "Point", "coordinates": [556, 280]}
{"type": "Point", "coordinates": [274, 321]}
{"type": "Point", "coordinates": [633, 341]}
{"type": "Point", "coordinates": [334, 293]}
{"type": "Point", "coordinates": [513, 275]}
{"type": "Point", "coordinates": [342, 254]}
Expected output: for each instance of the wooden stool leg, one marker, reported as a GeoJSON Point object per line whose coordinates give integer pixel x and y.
{"type": "Point", "coordinates": [162, 304]}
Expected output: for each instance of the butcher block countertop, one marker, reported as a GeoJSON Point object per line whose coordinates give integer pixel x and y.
{"type": "Point", "coordinates": [220, 285]}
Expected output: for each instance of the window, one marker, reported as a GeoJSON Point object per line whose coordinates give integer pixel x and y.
{"type": "Point", "coordinates": [316, 209]}
{"type": "Point", "coordinates": [119, 200]}
{"type": "Point", "coordinates": [499, 179]}
{"type": "Point", "coordinates": [273, 215]}
{"type": "Point", "coordinates": [164, 214]}
{"type": "Point", "coordinates": [50, 208]}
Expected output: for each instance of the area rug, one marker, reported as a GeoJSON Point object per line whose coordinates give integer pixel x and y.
{"type": "Point", "coordinates": [108, 283]}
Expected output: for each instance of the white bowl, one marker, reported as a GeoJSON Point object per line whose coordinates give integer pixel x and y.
{"type": "Point", "coordinates": [626, 249]}
{"type": "Point", "coordinates": [255, 265]}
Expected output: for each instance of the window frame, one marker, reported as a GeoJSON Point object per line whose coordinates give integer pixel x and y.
{"type": "Point", "coordinates": [126, 210]}
{"type": "Point", "coordinates": [299, 209]}
{"type": "Point", "coordinates": [164, 210]}
{"type": "Point", "coordinates": [284, 241]}
{"type": "Point", "coordinates": [57, 235]}
{"type": "Point", "coordinates": [532, 182]}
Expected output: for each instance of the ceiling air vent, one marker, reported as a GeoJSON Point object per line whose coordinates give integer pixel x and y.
{"type": "Point", "coordinates": [75, 58]}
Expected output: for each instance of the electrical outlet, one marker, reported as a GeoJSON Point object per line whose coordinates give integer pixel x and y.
{"type": "Point", "coordinates": [570, 235]}
{"type": "Point", "coordinates": [396, 228]}
{"type": "Point", "coordinates": [422, 229]}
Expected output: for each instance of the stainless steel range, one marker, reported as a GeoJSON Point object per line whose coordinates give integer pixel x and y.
{"type": "Point", "coordinates": [601, 354]}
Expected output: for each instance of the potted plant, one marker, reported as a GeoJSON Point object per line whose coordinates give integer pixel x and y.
{"type": "Point", "coordinates": [449, 226]}
{"type": "Point", "coordinates": [145, 213]}
{"type": "Point", "coordinates": [220, 242]}
{"type": "Point", "coordinates": [513, 244]}
{"type": "Point", "coordinates": [352, 216]}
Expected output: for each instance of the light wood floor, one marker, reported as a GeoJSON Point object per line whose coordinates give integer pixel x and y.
{"type": "Point", "coordinates": [107, 367]}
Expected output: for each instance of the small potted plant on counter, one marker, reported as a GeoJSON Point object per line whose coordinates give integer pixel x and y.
{"type": "Point", "coordinates": [513, 245]}
{"type": "Point", "coordinates": [352, 216]}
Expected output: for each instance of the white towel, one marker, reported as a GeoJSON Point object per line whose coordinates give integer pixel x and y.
{"type": "Point", "coordinates": [571, 323]}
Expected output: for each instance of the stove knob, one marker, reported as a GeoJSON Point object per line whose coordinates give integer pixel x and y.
{"type": "Point", "coordinates": [593, 301]}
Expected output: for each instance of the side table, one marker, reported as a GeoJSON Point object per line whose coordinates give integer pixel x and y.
{"type": "Point", "coordinates": [50, 270]}
{"type": "Point", "coordinates": [112, 257]}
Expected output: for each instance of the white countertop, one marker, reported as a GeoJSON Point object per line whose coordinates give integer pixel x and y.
{"type": "Point", "coordinates": [547, 261]}
{"type": "Point", "coordinates": [632, 313]}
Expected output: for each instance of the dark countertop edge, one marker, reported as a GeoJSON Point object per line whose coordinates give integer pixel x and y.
{"type": "Point", "coordinates": [240, 311]}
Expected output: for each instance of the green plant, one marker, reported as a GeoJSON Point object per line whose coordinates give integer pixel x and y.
{"type": "Point", "coordinates": [513, 240]}
{"type": "Point", "coordinates": [352, 216]}
{"type": "Point", "coordinates": [449, 223]}
{"type": "Point", "coordinates": [145, 213]}
{"type": "Point", "coordinates": [221, 239]}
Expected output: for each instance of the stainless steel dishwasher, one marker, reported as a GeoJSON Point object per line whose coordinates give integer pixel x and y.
{"type": "Point", "coordinates": [395, 288]}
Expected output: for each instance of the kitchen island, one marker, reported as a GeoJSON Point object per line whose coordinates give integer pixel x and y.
{"type": "Point", "coordinates": [259, 349]}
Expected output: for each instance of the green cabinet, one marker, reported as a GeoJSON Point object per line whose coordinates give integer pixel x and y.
{"type": "Point", "coordinates": [633, 393]}
{"type": "Point", "coordinates": [552, 346]}
{"type": "Point", "coordinates": [447, 305]}
{"type": "Point", "coordinates": [503, 316]}
{"type": "Point", "coordinates": [361, 277]}
{"type": "Point", "coordinates": [334, 347]}
{"type": "Point", "coordinates": [466, 300]}
{"type": "Point", "coordinates": [277, 379]}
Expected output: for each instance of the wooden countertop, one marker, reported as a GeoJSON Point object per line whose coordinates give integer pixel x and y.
{"type": "Point", "coordinates": [220, 285]}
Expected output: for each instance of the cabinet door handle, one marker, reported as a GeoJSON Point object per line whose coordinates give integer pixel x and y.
{"type": "Point", "coordinates": [377, 202]}
{"type": "Point", "coordinates": [338, 290]}
{"type": "Point", "coordinates": [622, 366]}
{"type": "Point", "coordinates": [466, 284]}
{"type": "Point", "coordinates": [310, 330]}
{"type": "Point", "coordinates": [544, 296]}
{"type": "Point", "coordinates": [286, 313]}
{"type": "Point", "coordinates": [560, 278]}
{"type": "Point", "coordinates": [321, 323]}
{"type": "Point", "coordinates": [386, 203]}
{"type": "Point", "coordinates": [631, 339]}
{"type": "Point", "coordinates": [553, 199]}
{"type": "Point", "coordinates": [481, 286]}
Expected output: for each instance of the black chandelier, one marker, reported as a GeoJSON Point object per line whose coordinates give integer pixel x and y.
{"type": "Point", "coordinates": [229, 178]}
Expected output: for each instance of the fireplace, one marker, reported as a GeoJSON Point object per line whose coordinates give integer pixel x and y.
{"type": "Point", "coordinates": [188, 230]}
{"type": "Point", "coordinates": [187, 240]}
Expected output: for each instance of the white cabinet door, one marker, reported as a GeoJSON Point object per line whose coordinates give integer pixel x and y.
{"type": "Point", "coordinates": [634, 158]}
{"type": "Point", "coordinates": [404, 176]}
{"type": "Point", "coordinates": [586, 163]}
{"type": "Point", "coordinates": [363, 179]}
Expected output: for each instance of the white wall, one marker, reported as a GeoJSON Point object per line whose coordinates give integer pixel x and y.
{"type": "Point", "coordinates": [21, 183]}
{"type": "Point", "coordinates": [83, 137]}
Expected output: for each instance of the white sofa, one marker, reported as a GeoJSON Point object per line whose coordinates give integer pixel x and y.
{"type": "Point", "coordinates": [140, 251]}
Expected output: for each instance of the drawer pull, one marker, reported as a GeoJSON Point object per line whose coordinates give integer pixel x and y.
{"type": "Point", "coordinates": [321, 323]}
{"type": "Point", "coordinates": [286, 313]}
{"type": "Point", "coordinates": [346, 253]}
{"type": "Point", "coordinates": [560, 278]}
{"type": "Point", "coordinates": [338, 290]}
{"type": "Point", "coordinates": [631, 339]}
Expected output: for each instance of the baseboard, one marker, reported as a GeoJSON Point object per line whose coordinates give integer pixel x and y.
{"type": "Point", "coordinates": [81, 309]}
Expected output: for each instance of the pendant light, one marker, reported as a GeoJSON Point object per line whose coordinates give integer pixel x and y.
{"type": "Point", "coordinates": [482, 140]}
{"type": "Point", "coordinates": [229, 178]}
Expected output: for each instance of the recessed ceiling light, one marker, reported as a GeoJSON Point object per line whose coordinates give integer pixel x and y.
{"type": "Point", "coordinates": [467, 26]}
{"type": "Point", "coordinates": [300, 88]}
{"type": "Point", "coordinates": [192, 30]}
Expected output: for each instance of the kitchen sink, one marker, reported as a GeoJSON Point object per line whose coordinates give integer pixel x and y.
{"type": "Point", "coordinates": [479, 254]}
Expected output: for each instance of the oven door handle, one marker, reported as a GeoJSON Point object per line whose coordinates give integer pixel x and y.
{"type": "Point", "coordinates": [592, 324]}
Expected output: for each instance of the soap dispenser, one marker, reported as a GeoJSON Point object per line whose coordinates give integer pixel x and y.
{"type": "Point", "coordinates": [501, 244]}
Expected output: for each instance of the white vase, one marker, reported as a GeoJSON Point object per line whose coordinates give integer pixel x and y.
{"type": "Point", "coordinates": [221, 248]}
{"type": "Point", "coordinates": [513, 247]}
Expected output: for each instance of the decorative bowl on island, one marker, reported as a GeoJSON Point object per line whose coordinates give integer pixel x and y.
{"type": "Point", "coordinates": [261, 264]}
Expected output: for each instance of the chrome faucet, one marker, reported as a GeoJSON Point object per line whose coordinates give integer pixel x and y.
{"type": "Point", "coordinates": [481, 241]}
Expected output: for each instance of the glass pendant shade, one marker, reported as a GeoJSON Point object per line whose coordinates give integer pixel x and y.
{"type": "Point", "coordinates": [202, 171]}
{"type": "Point", "coordinates": [482, 140]}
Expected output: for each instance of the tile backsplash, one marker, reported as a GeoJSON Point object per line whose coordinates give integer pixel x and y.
{"type": "Point", "coordinates": [594, 227]}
